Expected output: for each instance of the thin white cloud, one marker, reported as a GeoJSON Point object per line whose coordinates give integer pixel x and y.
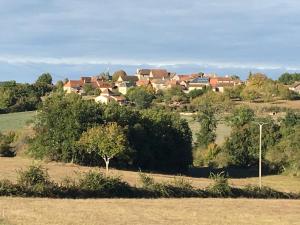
{"type": "Point", "coordinates": [131, 62]}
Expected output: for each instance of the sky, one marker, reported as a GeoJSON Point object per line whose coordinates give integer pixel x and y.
{"type": "Point", "coordinates": [69, 38]}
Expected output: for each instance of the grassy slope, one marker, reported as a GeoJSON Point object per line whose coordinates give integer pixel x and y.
{"type": "Point", "coordinates": [58, 171]}
{"type": "Point", "coordinates": [156, 211]}
{"type": "Point", "coordinates": [15, 121]}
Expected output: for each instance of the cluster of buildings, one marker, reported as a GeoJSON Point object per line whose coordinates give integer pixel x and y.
{"type": "Point", "coordinates": [158, 79]}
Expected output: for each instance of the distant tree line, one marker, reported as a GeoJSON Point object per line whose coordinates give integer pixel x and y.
{"type": "Point", "coordinates": [289, 78]}
{"type": "Point", "coordinates": [16, 97]}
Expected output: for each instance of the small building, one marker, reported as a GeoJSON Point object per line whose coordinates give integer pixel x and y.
{"type": "Point", "coordinates": [76, 86]}
{"type": "Point", "coordinates": [73, 86]}
{"type": "Point", "coordinates": [198, 83]}
{"type": "Point", "coordinates": [218, 84]}
{"type": "Point", "coordinates": [146, 74]}
{"type": "Point", "coordinates": [108, 96]}
{"type": "Point", "coordinates": [124, 83]}
{"type": "Point", "coordinates": [159, 84]}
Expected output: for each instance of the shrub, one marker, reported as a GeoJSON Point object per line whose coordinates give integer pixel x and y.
{"type": "Point", "coordinates": [34, 175]}
{"type": "Point", "coordinates": [6, 149]}
{"type": "Point", "coordinates": [7, 188]}
{"type": "Point", "coordinates": [220, 188]}
{"type": "Point", "coordinates": [145, 180]}
{"type": "Point", "coordinates": [179, 188]}
{"type": "Point", "coordinates": [97, 185]}
{"type": "Point", "coordinates": [264, 192]}
{"type": "Point", "coordinates": [35, 181]}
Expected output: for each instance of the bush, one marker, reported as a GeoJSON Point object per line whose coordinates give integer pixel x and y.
{"type": "Point", "coordinates": [34, 175]}
{"type": "Point", "coordinates": [220, 188]}
{"type": "Point", "coordinates": [6, 149]}
{"type": "Point", "coordinates": [98, 185]}
{"type": "Point", "coordinates": [7, 188]}
{"type": "Point", "coordinates": [264, 192]}
{"type": "Point", "coordinates": [179, 188]}
{"type": "Point", "coordinates": [35, 182]}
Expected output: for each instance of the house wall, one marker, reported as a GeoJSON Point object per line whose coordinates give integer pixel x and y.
{"type": "Point", "coordinates": [123, 90]}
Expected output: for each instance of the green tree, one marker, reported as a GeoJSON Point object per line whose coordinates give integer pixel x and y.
{"type": "Point", "coordinates": [241, 146]}
{"type": "Point", "coordinates": [141, 96]}
{"type": "Point", "coordinates": [5, 144]}
{"type": "Point", "coordinates": [289, 78]}
{"type": "Point", "coordinates": [240, 117]}
{"type": "Point", "coordinates": [59, 125]}
{"type": "Point", "coordinates": [174, 94]}
{"type": "Point", "coordinates": [208, 123]}
{"type": "Point", "coordinates": [45, 78]}
{"type": "Point", "coordinates": [88, 89]}
{"type": "Point", "coordinates": [107, 141]}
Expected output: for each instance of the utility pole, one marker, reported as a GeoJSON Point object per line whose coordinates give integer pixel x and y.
{"type": "Point", "coordinates": [260, 152]}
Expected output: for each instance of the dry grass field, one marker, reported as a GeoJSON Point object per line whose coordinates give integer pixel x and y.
{"type": "Point", "coordinates": [35, 211]}
{"type": "Point", "coordinates": [58, 171]}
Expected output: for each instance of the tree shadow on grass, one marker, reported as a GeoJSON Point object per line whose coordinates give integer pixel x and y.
{"type": "Point", "coordinates": [232, 172]}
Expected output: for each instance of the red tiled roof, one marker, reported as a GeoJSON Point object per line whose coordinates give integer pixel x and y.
{"type": "Point", "coordinates": [159, 73]}
{"type": "Point", "coordinates": [144, 72]}
{"type": "Point", "coordinates": [101, 84]}
{"type": "Point", "coordinates": [74, 83]}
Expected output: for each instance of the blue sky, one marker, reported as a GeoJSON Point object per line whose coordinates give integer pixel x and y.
{"type": "Point", "coordinates": [72, 38]}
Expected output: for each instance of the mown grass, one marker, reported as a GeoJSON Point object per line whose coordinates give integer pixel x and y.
{"type": "Point", "coordinates": [15, 121]}
{"type": "Point", "coordinates": [36, 211]}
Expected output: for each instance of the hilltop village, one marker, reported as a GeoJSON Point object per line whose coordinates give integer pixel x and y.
{"type": "Point", "coordinates": [113, 88]}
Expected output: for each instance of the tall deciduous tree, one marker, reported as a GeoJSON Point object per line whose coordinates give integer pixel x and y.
{"type": "Point", "coordinates": [107, 141]}
{"type": "Point", "coordinates": [208, 123]}
{"type": "Point", "coordinates": [142, 97]}
{"type": "Point", "coordinates": [45, 78]}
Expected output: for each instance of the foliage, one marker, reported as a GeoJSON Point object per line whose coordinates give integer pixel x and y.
{"type": "Point", "coordinates": [234, 92]}
{"type": "Point", "coordinates": [107, 141]}
{"type": "Point", "coordinates": [6, 140]}
{"type": "Point", "coordinates": [162, 141]}
{"type": "Point", "coordinates": [96, 184]}
{"type": "Point", "coordinates": [207, 133]}
{"type": "Point", "coordinates": [215, 100]}
{"type": "Point", "coordinates": [156, 139]}
{"type": "Point", "coordinates": [45, 78]}
{"type": "Point", "coordinates": [242, 145]}
{"type": "Point", "coordinates": [196, 93]}
{"type": "Point", "coordinates": [241, 116]}
{"type": "Point", "coordinates": [35, 182]}
{"type": "Point", "coordinates": [289, 78]}
{"type": "Point", "coordinates": [21, 97]}
{"type": "Point", "coordinates": [59, 125]}
{"type": "Point", "coordinates": [174, 94]}
{"type": "Point", "coordinates": [207, 156]}
{"type": "Point", "coordinates": [220, 187]}
{"type": "Point", "coordinates": [34, 175]}
{"type": "Point", "coordinates": [90, 90]}
{"type": "Point", "coordinates": [285, 155]}
{"type": "Point", "coordinates": [140, 96]}
{"type": "Point", "coordinates": [260, 88]}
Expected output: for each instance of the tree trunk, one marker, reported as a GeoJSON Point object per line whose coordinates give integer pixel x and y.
{"type": "Point", "coordinates": [106, 164]}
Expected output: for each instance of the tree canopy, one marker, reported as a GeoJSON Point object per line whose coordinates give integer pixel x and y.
{"type": "Point", "coordinates": [45, 78]}
{"type": "Point", "coordinates": [105, 140]}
